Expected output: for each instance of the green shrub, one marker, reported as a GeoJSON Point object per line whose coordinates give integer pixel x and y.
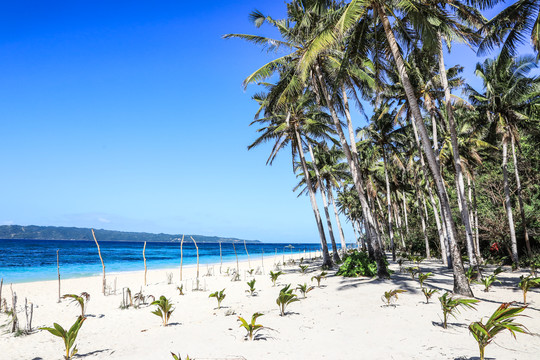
{"type": "Point", "coordinates": [220, 296]}
{"type": "Point", "coordinates": [285, 298]}
{"type": "Point", "coordinates": [357, 263]}
{"type": "Point", "coordinates": [164, 309]}
{"type": "Point", "coordinates": [450, 306]}
{"type": "Point", "coordinates": [251, 328]}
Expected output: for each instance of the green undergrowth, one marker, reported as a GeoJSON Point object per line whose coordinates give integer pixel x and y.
{"type": "Point", "coordinates": [357, 263]}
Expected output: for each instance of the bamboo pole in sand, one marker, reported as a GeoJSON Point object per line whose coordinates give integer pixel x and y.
{"type": "Point", "coordinates": [144, 258]}
{"type": "Point", "coordinates": [181, 256]}
{"type": "Point", "coordinates": [58, 270]}
{"type": "Point", "coordinates": [245, 247]}
{"type": "Point", "coordinates": [220, 258]}
{"type": "Point", "coordinates": [102, 263]}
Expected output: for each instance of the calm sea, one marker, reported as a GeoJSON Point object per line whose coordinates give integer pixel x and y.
{"type": "Point", "coordinates": [35, 260]}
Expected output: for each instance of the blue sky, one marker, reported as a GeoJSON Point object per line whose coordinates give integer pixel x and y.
{"type": "Point", "coordinates": [130, 115]}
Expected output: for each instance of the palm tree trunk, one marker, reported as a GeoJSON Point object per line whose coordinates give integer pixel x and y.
{"type": "Point", "coordinates": [471, 216]}
{"type": "Point", "coordinates": [382, 271]}
{"type": "Point", "coordinates": [477, 235]}
{"type": "Point", "coordinates": [338, 222]}
{"type": "Point", "coordinates": [428, 252]}
{"type": "Point", "coordinates": [442, 237]}
{"type": "Point", "coordinates": [508, 203]}
{"type": "Point", "coordinates": [422, 218]}
{"type": "Point", "coordinates": [389, 209]}
{"type": "Point", "coordinates": [461, 285]}
{"type": "Point", "coordinates": [520, 199]}
{"type": "Point", "coordinates": [399, 223]}
{"type": "Point", "coordinates": [335, 254]}
{"type": "Point", "coordinates": [326, 256]}
{"type": "Point", "coordinates": [464, 208]}
{"type": "Point", "coordinates": [405, 212]}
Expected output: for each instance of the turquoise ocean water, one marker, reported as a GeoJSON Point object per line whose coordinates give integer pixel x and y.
{"type": "Point", "coordinates": [35, 260]}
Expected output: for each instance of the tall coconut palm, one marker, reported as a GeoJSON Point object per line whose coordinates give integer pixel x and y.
{"type": "Point", "coordinates": [505, 100]}
{"type": "Point", "coordinates": [283, 126]}
{"type": "Point", "coordinates": [354, 13]}
{"type": "Point", "coordinates": [511, 26]}
{"type": "Point", "coordinates": [305, 20]}
{"type": "Point", "coordinates": [384, 138]}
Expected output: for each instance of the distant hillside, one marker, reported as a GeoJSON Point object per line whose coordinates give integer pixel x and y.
{"type": "Point", "coordinates": [33, 232]}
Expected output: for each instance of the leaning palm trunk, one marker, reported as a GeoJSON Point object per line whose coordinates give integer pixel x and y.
{"type": "Point", "coordinates": [464, 208]}
{"type": "Point", "coordinates": [507, 202]}
{"type": "Point", "coordinates": [426, 240]}
{"type": "Point", "coordinates": [442, 237]}
{"type": "Point", "coordinates": [461, 285]}
{"type": "Point", "coordinates": [335, 254]}
{"type": "Point", "coordinates": [475, 210]}
{"type": "Point", "coordinates": [474, 223]}
{"type": "Point", "coordinates": [373, 235]}
{"type": "Point", "coordinates": [389, 209]}
{"type": "Point", "coordinates": [338, 222]}
{"type": "Point", "coordinates": [520, 199]}
{"type": "Point", "coordinates": [422, 218]}
{"type": "Point", "coordinates": [326, 256]}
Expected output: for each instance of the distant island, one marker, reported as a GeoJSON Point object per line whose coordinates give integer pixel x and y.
{"type": "Point", "coordinates": [33, 232]}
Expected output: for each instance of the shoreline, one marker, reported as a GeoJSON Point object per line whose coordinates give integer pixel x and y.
{"type": "Point", "coordinates": [212, 262]}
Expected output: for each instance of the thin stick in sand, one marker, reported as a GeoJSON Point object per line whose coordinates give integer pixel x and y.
{"type": "Point", "coordinates": [220, 258]}
{"type": "Point", "coordinates": [14, 319]}
{"type": "Point", "coordinates": [262, 260]}
{"type": "Point", "coordinates": [196, 247]}
{"type": "Point", "coordinates": [58, 270]}
{"type": "Point", "coordinates": [144, 258]}
{"type": "Point", "coordinates": [245, 247]}
{"type": "Point", "coordinates": [102, 263]}
{"type": "Point", "coordinates": [235, 254]}
{"type": "Point", "coordinates": [181, 256]}
{"type": "Point", "coordinates": [1, 283]}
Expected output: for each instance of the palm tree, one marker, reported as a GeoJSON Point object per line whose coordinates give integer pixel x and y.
{"type": "Point", "coordinates": [355, 12]}
{"type": "Point", "coordinates": [509, 28]}
{"type": "Point", "coordinates": [283, 127]}
{"type": "Point", "coordinates": [507, 97]}
{"type": "Point", "coordinates": [382, 136]}
{"type": "Point", "coordinates": [305, 20]}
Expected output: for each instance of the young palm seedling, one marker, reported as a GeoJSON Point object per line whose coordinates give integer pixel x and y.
{"type": "Point", "coordinates": [164, 309]}
{"type": "Point", "coordinates": [274, 276]}
{"type": "Point", "coordinates": [423, 277]}
{"type": "Point", "coordinates": [304, 289]}
{"type": "Point", "coordinates": [391, 296]}
{"type": "Point", "coordinates": [82, 300]}
{"type": "Point", "coordinates": [412, 270]}
{"type": "Point", "coordinates": [180, 289]}
{"type": "Point", "coordinates": [251, 327]}
{"type": "Point", "coordinates": [178, 357]}
{"type": "Point", "coordinates": [319, 277]}
{"type": "Point", "coordinates": [488, 281]}
{"type": "Point", "coordinates": [450, 306]}
{"type": "Point", "coordinates": [251, 285]}
{"type": "Point", "coordinates": [527, 282]}
{"type": "Point", "coordinates": [285, 297]}
{"type": "Point", "coordinates": [303, 268]}
{"type": "Point", "coordinates": [428, 293]}
{"type": "Point", "coordinates": [219, 295]}
{"type": "Point", "coordinates": [502, 319]}
{"type": "Point", "coordinates": [471, 274]}
{"type": "Point", "coordinates": [68, 336]}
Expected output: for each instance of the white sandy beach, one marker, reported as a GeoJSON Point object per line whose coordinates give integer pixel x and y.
{"type": "Point", "coordinates": [344, 319]}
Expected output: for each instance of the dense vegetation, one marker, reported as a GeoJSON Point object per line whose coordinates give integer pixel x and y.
{"type": "Point", "coordinates": [442, 168]}
{"type": "Point", "coordinates": [33, 232]}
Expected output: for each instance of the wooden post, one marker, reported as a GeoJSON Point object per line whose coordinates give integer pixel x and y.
{"type": "Point", "coordinates": [196, 247]}
{"type": "Point", "coordinates": [245, 247]}
{"type": "Point", "coordinates": [15, 320]}
{"type": "Point", "coordinates": [237, 267]}
{"type": "Point", "coordinates": [262, 260]}
{"type": "Point", "coordinates": [144, 258]}
{"type": "Point", "coordinates": [181, 256]}
{"type": "Point", "coordinates": [29, 315]}
{"type": "Point", "coordinates": [220, 258]}
{"type": "Point", "coordinates": [58, 270]}
{"type": "Point", "coordinates": [102, 263]}
{"type": "Point", "coordinates": [1, 283]}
